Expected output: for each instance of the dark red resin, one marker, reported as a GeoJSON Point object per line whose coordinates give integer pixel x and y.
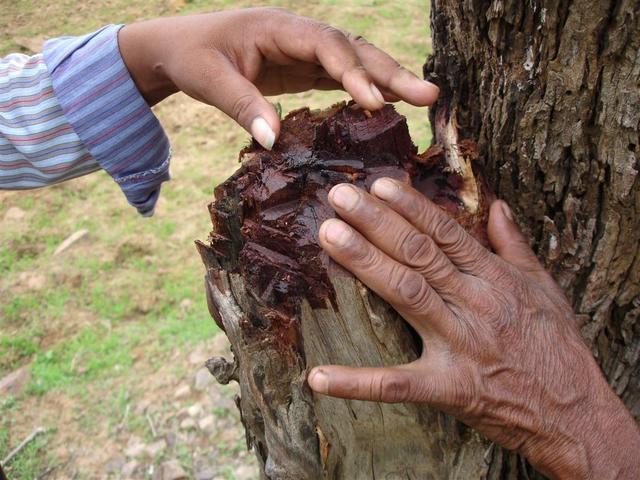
{"type": "Point", "coordinates": [267, 215]}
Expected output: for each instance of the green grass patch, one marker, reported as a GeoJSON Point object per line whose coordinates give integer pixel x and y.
{"type": "Point", "coordinates": [93, 354]}
{"type": "Point", "coordinates": [4, 440]}
{"type": "Point", "coordinates": [32, 460]}
{"type": "Point", "coordinates": [195, 326]}
{"type": "Point", "coordinates": [112, 304]}
{"type": "Point", "coordinates": [17, 255]}
{"type": "Point", "coordinates": [21, 310]}
{"type": "Point", "coordinates": [15, 350]}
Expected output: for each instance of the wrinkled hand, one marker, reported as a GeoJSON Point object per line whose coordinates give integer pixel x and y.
{"type": "Point", "coordinates": [501, 347]}
{"type": "Point", "coordinates": [231, 59]}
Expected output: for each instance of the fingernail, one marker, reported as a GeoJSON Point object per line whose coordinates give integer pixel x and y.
{"type": "Point", "coordinates": [336, 232]}
{"type": "Point", "coordinates": [345, 197]}
{"type": "Point", "coordinates": [262, 132]}
{"type": "Point", "coordinates": [319, 381]}
{"type": "Point", "coordinates": [377, 94]}
{"type": "Point", "coordinates": [507, 211]}
{"type": "Point", "coordinates": [385, 189]}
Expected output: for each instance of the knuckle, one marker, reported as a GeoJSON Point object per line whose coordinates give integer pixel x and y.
{"type": "Point", "coordinates": [447, 231]}
{"type": "Point", "coordinates": [417, 248]}
{"type": "Point", "coordinates": [397, 72]}
{"type": "Point", "coordinates": [410, 289]}
{"type": "Point", "coordinates": [390, 388]}
{"type": "Point", "coordinates": [358, 40]}
{"type": "Point", "coordinates": [241, 106]}
{"type": "Point", "coordinates": [400, 70]}
{"type": "Point", "coordinates": [355, 70]}
{"type": "Point", "coordinates": [493, 309]}
{"type": "Point", "coordinates": [330, 32]}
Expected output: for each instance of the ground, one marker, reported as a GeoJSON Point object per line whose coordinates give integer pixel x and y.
{"type": "Point", "coordinates": [108, 338]}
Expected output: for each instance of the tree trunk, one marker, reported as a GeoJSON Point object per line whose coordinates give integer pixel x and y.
{"type": "Point", "coordinates": [550, 90]}
{"type": "Point", "coordinates": [284, 305]}
{"type": "Point", "coordinates": [551, 93]}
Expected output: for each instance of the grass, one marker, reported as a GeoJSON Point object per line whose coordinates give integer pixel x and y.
{"type": "Point", "coordinates": [92, 322]}
{"type": "Point", "coordinates": [32, 460]}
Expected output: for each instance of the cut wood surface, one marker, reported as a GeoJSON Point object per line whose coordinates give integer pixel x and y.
{"type": "Point", "coordinates": [285, 306]}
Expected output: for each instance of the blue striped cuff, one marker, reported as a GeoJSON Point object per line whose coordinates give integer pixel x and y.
{"type": "Point", "coordinates": [106, 110]}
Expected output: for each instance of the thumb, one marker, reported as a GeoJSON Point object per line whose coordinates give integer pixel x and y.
{"type": "Point", "coordinates": [509, 243]}
{"type": "Point", "coordinates": [389, 385]}
{"type": "Point", "coordinates": [228, 90]}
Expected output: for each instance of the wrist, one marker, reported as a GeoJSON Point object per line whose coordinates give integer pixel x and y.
{"type": "Point", "coordinates": [142, 54]}
{"type": "Point", "coordinates": [595, 440]}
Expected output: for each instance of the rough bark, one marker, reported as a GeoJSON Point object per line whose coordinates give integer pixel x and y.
{"type": "Point", "coordinates": [551, 92]}
{"type": "Point", "coordinates": [284, 305]}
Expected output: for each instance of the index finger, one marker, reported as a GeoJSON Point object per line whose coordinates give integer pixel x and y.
{"type": "Point", "coordinates": [392, 77]}
{"type": "Point", "coordinates": [301, 38]}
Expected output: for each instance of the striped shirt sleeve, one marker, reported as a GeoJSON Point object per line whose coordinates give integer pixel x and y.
{"type": "Point", "coordinates": [38, 146]}
{"type": "Point", "coordinates": [75, 109]}
{"type": "Point", "coordinates": [109, 114]}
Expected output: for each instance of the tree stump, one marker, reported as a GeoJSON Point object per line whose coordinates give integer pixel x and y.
{"type": "Point", "coordinates": [285, 306]}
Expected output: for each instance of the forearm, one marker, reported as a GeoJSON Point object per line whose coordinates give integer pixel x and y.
{"type": "Point", "coordinates": [597, 439]}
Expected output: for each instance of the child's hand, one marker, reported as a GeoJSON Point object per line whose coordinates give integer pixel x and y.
{"type": "Point", "coordinates": [231, 59]}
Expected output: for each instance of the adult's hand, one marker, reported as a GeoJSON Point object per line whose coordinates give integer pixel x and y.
{"type": "Point", "coordinates": [231, 59]}
{"type": "Point", "coordinates": [502, 351]}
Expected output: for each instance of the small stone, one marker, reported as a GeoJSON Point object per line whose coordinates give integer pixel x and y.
{"type": "Point", "coordinates": [182, 392]}
{"type": "Point", "coordinates": [194, 410]}
{"type": "Point", "coordinates": [129, 469]}
{"type": "Point", "coordinates": [135, 451]}
{"type": "Point", "coordinates": [207, 473]}
{"type": "Point", "coordinates": [156, 448]}
{"type": "Point", "coordinates": [207, 423]}
{"type": "Point", "coordinates": [70, 241]}
{"type": "Point", "coordinates": [172, 439]}
{"type": "Point", "coordinates": [14, 383]}
{"type": "Point", "coordinates": [246, 472]}
{"type": "Point", "coordinates": [172, 470]}
{"type": "Point", "coordinates": [186, 304]}
{"type": "Point", "coordinates": [143, 406]}
{"type": "Point", "coordinates": [135, 447]}
{"type": "Point", "coordinates": [14, 214]}
{"type": "Point", "coordinates": [203, 379]}
{"type": "Point", "coordinates": [114, 464]}
{"type": "Point", "coordinates": [187, 424]}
